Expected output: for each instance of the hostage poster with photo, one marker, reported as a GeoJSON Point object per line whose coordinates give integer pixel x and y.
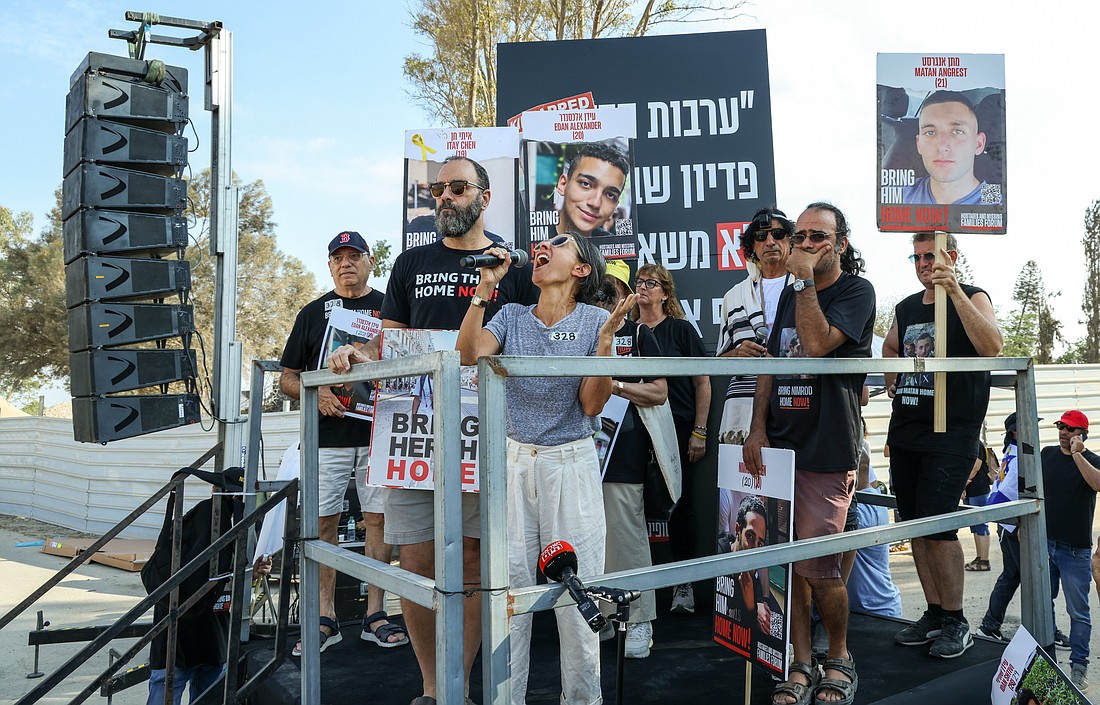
{"type": "Point", "coordinates": [402, 438]}
{"type": "Point", "coordinates": [495, 148]}
{"type": "Point", "coordinates": [751, 608]}
{"type": "Point", "coordinates": [941, 143]}
{"type": "Point", "coordinates": [577, 166]}
{"type": "Point", "coordinates": [347, 327]}
{"type": "Point", "coordinates": [1027, 675]}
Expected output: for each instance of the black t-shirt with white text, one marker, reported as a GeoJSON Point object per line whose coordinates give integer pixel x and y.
{"type": "Point", "coordinates": [817, 416]}
{"type": "Point", "coordinates": [303, 352]}
{"type": "Point", "coordinates": [428, 289]}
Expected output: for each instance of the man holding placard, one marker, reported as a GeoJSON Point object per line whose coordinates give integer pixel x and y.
{"type": "Point", "coordinates": [829, 311]}
{"type": "Point", "coordinates": [929, 470]}
{"type": "Point", "coordinates": [343, 442]}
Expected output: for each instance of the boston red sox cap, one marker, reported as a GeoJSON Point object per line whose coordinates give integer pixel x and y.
{"type": "Point", "coordinates": [348, 238]}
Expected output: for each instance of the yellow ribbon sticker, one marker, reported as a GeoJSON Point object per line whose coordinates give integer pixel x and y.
{"type": "Point", "coordinates": [418, 141]}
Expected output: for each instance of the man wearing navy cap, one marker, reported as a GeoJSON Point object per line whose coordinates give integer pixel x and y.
{"type": "Point", "coordinates": [342, 442]}
{"type": "Point", "coordinates": [1071, 479]}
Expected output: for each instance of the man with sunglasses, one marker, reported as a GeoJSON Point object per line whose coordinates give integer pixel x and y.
{"type": "Point", "coordinates": [1071, 479]}
{"type": "Point", "coordinates": [929, 470]}
{"type": "Point", "coordinates": [829, 311]}
{"type": "Point", "coordinates": [748, 312]}
{"type": "Point", "coordinates": [428, 289]}
{"type": "Point", "coordinates": [343, 442]}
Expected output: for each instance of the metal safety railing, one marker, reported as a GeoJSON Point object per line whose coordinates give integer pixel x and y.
{"type": "Point", "coordinates": [234, 539]}
{"type": "Point", "coordinates": [444, 594]}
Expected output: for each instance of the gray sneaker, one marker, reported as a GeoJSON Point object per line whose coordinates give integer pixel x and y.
{"type": "Point", "coordinates": [954, 639]}
{"type": "Point", "coordinates": [683, 599]}
{"type": "Point", "coordinates": [639, 639]}
{"type": "Point", "coordinates": [1079, 677]}
{"type": "Point", "coordinates": [922, 631]}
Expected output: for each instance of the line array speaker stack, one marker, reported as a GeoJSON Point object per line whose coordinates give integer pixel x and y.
{"type": "Point", "coordinates": [127, 284]}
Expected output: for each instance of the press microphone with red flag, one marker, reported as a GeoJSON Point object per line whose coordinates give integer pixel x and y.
{"type": "Point", "coordinates": [558, 562]}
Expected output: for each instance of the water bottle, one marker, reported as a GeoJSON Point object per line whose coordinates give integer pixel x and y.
{"type": "Point", "coordinates": [351, 528]}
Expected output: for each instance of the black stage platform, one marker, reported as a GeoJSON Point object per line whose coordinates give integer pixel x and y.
{"type": "Point", "coordinates": [685, 666]}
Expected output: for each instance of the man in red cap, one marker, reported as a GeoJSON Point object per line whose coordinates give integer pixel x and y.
{"type": "Point", "coordinates": [1071, 479]}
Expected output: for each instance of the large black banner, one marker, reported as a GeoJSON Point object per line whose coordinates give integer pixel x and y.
{"type": "Point", "coordinates": [703, 160]}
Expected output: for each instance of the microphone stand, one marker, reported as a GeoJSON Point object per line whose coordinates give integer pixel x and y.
{"type": "Point", "coordinates": [622, 598]}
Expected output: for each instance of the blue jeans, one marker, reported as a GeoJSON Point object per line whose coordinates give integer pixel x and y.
{"type": "Point", "coordinates": [1007, 582]}
{"type": "Point", "coordinates": [1073, 568]}
{"type": "Point", "coordinates": [200, 678]}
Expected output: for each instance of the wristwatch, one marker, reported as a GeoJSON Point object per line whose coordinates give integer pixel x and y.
{"type": "Point", "coordinates": [619, 384]}
{"type": "Point", "coordinates": [476, 300]}
{"type": "Point", "coordinates": [800, 284]}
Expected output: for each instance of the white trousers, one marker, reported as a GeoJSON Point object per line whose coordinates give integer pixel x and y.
{"type": "Point", "coordinates": [554, 494]}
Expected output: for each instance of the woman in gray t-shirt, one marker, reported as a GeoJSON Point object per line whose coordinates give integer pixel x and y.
{"type": "Point", "coordinates": [554, 489]}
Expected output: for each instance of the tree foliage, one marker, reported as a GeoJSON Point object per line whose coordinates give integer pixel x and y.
{"type": "Point", "coordinates": [456, 83]}
{"type": "Point", "coordinates": [34, 346]}
{"type": "Point", "coordinates": [271, 285]}
{"type": "Point", "coordinates": [271, 288]}
{"type": "Point", "coordinates": [1031, 330]}
{"type": "Point", "coordinates": [1090, 297]}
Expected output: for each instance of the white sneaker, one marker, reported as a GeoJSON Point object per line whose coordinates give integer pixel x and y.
{"type": "Point", "coordinates": [639, 639]}
{"type": "Point", "coordinates": [683, 599]}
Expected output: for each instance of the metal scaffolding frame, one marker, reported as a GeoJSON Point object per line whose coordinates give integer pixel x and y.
{"type": "Point", "coordinates": [444, 594]}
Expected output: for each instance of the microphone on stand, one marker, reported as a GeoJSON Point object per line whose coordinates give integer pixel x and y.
{"type": "Point", "coordinates": [519, 258]}
{"type": "Point", "coordinates": [558, 562]}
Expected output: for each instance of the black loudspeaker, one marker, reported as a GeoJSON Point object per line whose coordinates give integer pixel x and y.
{"type": "Point", "coordinates": [122, 203]}
{"type": "Point", "coordinates": [124, 279]}
{"type": "Point", "coordinates": [118, 232]}
{"type": "Point", "coordinates": [124, 145]}
{"type": "Point", "coordinates": [126, 90]}
{"type": "Point", "coordinates": [105, 419]}
{"type": "Point", "coordinates": [94, 186]}
{"type": "Point", "coordinates": [106, 325]}
{"type": "Point", "coordinates": [95, 372]}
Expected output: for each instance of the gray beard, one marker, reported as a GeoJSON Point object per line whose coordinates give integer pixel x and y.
{"type": "Point", "coordinates": [457, 225]}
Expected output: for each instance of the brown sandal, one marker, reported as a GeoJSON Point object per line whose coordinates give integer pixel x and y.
{"type": "Point", "coordinates": [803, 694]}
{"type": "Point", "coordinates": [978, 565]}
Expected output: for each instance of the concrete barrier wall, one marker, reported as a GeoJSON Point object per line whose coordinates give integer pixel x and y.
{"type": "Point", "coordinates": [45, 474]}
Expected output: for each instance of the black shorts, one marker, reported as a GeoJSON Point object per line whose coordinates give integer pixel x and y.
{"type": "Point", "coordinates": [928, 484]}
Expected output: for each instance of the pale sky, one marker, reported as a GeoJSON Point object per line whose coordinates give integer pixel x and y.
{"type": "Point", "coordinates": [321, 107]}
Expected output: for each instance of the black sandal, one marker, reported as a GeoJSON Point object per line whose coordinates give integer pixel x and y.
{"type": "Point", "coordinates": [382, 634]}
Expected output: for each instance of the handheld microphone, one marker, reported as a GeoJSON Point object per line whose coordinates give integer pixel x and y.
{"type": "Point", "coordinates": [519, 258]}
{"type": "Point", "coordinates": [761, 334]}
{"type": "Point", "coordinates": [558, 562]}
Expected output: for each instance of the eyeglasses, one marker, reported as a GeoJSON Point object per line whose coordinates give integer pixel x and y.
{"type": "Point", "coordinates": [816, 237]}
{"type": "Point", "coordinates": [646, 283]}
{"type": "Point", "coordinates": [1066, 427]}
{"type": "Point", "coordinates": [560, 240]}
{"type": "Point", "coordinates": [352, 257]}
{"type": "Point", "coordinates": [458, 187]}
{"type": "Point", "coordinates": [776, 233]}
{"type": "Point", "coordinates": [927, 257]}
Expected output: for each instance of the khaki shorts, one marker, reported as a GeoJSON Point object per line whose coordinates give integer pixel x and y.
{"type": "Point", "coordinates": [821, 502]}
{"type": "Point", "coordinates": [410, 516]}
{"type": "Point", "coordinates": [334, 468]}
